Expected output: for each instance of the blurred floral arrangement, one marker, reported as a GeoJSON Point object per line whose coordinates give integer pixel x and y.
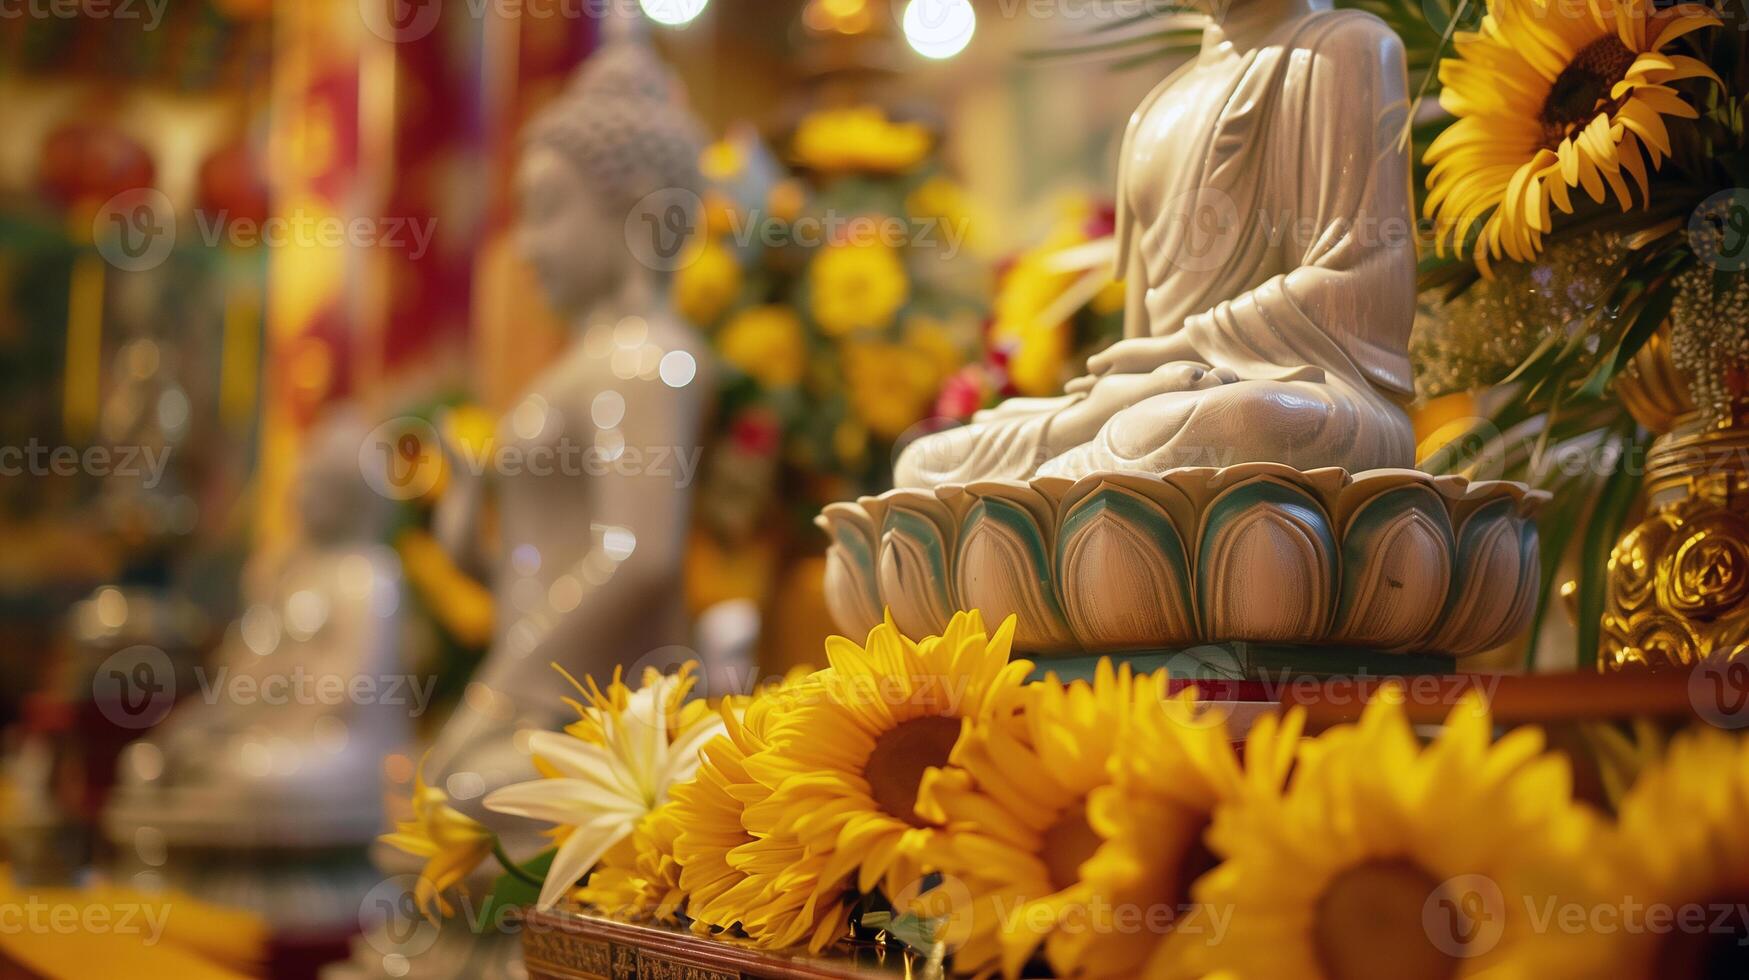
{"type": "Point", "coordinates": [1056, 304]}
{"type": "Point", "coordinates": [839, 300]}
{"type": "Point", "coordinates": [927, 793]}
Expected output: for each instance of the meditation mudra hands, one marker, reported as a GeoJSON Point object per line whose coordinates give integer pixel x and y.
{"type": "Point", "coordinates": [1287, 348]}
{"type": "Point", "coordinates": [1179, 414]}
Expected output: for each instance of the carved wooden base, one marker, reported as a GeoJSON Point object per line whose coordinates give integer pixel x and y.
{"type": "Point", "coordinates": [1389, 560]}
{"type": "Point", "coordinates": [570, 945]}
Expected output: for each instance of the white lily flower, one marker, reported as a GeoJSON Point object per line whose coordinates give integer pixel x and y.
{"type": "Point", "coordinates": [603, 789]}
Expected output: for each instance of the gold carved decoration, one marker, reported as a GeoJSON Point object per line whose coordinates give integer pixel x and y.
{"type": "Point", "coordinates": [1679, 580]}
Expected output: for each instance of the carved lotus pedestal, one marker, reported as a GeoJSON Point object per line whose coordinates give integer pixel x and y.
{"type": "Point", "coordinates": [1386, 561]}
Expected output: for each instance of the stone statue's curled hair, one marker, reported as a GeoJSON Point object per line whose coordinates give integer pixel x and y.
{"type": "Point", "coordinates": [623, 124]}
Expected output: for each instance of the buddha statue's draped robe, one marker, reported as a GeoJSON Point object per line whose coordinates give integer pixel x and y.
{"type": "Point", "coordinates": [1267, 240]}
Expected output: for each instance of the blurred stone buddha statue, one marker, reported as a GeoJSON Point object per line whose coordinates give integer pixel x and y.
{"type": "Point", "coordinates": [1267, 243]}
{"type": "Point", "coordinates": [593, 500]}
{"type": "Point", "coordinates": [281, 744]}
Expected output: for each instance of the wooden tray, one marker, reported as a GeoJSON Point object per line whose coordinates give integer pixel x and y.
{"type": "Point", "coordinates": [568, 944]}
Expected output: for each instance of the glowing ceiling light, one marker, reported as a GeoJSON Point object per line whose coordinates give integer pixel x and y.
{"type": "Point", "coordinates": [673, 13]}
{"type": "Point", "coordinates": [939, 28]}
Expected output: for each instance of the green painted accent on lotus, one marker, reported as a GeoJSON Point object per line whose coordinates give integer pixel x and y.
{"type": "Point", "coordinates": [1273, 663]}
{"type": "Point", "coordinates": [1269, 494]}
{"type": "Point", "coordinates": [1469, 542]}
{"type": "Point", "coordinates": [860, 555]}
{"type": "Point", "coordinates": [1371, 520]}
{"type": "Point", "coordinates": [924, 532]}
{"type": "Point", "coordinates": [1020, 520]}
{"type": "Point", "coordinates": [1135, 512]}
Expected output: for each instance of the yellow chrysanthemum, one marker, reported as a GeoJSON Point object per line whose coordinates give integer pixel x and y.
{"type": "Point", "coordinates": [705, 286]}
{"type": "Point", "coordinates": [710, 807]}
{"type": "Point", "coordinates": [891, 387]}
{"type": "Point", "coordinates": [860, 139]}
{"type": "Point", "coordinates": [1012, 805]}
{"type": "Point", "coordinates": [1174, 769]}
{"type": "Point", "coordinates": [1387, 858]}
{"type": "Point", "coordinates": [766, 343]}
{"type": "Point", "coordinates": [857, 287]}
{"type": "Point", "coordinates": [639, 878]}
{"type": "Point", "coordinates": [722, 161]}
{"type": "Point", "coordinates": [1550, 97]}
{"type": "Point", "coordinates": [1678, 878]}
{"type": "Point", "coordinates": [846, 762]}
{"type": "Point", "coordinates": [452, 843]}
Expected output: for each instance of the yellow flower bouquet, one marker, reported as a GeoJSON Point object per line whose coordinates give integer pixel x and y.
{"type": "Point", "coordinates": [938, 794]}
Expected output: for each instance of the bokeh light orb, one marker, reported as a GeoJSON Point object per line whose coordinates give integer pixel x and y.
{"type": "Point", "coordinates": [673, 13]}
{"type": "Point", "coordinates": [939, 29]}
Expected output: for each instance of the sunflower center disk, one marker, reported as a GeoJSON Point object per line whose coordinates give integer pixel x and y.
{"type": "Point", "coordinates": [901, 755]}
{"type": "Point", "coordinates": [1710, 953]}
{"type": "Point", "coordinates": [1369, 925]}
{"type": "Point", "coordinates": [1583, 85]}
{"type": "Point", "coordinates": [1067, 844]}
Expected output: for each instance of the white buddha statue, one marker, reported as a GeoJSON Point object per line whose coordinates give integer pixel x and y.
{"type": "Point", "coordinates": [592, 522]}
{"type": "Point", "coordinates": [280, 744]}
{"type": "Point", "coordinates": [1266, 238]}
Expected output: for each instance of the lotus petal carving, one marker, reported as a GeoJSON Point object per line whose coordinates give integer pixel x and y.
{"type": "Point", "coordinates": [1385, 560]}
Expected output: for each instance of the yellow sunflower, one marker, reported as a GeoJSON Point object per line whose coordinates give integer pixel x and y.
{"type": "Point", "coordinates": [1681, 864]}
{"type": "Point", "coordinates": [1385, 858]}
{"type": "Point", "coordinates": [1174, 770]}
{"type": "Point", "coordinates": [1012, 806]}
{"type": "Point", "coordinates": [846, 763]}
{"type": "Point", "coordinates": [639, 878]}
{"type": "Point", "coordinates": [1550, 97]}
{"type": "Point", "coordinates": [857, 287]}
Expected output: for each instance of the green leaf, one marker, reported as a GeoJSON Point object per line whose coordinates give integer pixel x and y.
{"type": "Point", "coordinates": [1619, 494]}
{"type": "Point", "coordinates": [509, 890]}
{"type": "Point", "coordinates": [1654, 311]}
